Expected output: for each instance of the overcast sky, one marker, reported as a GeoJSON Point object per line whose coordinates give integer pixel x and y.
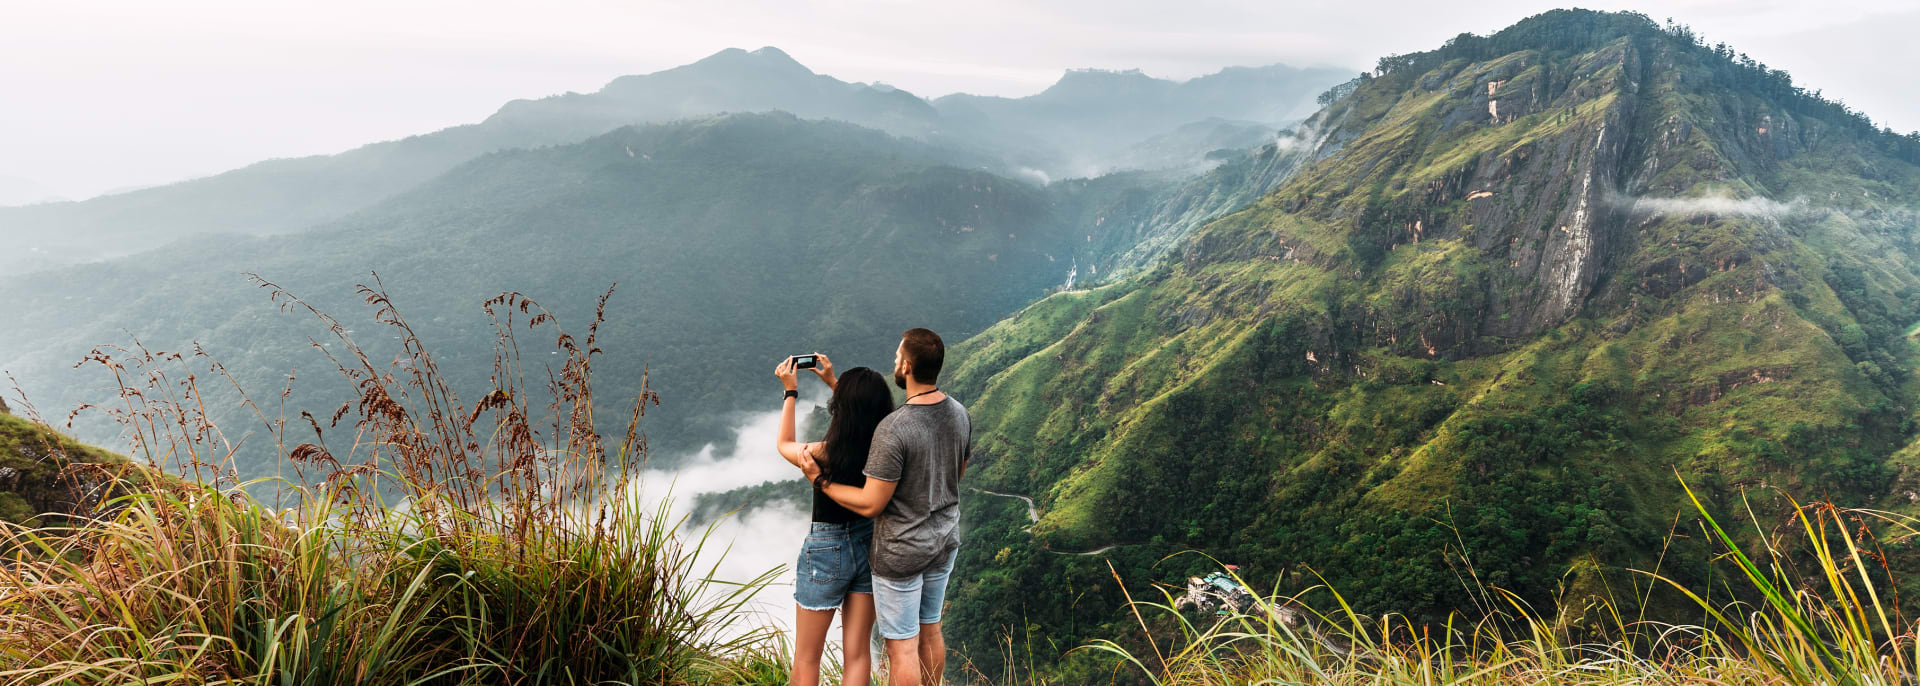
{"type": "Point", "coordinates": [108, 94]}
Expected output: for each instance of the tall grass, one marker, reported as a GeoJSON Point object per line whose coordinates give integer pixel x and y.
{"type": "Point", "coordinates": [442, 543]}
{"type": "Point", "coordinates": [1819, 614]}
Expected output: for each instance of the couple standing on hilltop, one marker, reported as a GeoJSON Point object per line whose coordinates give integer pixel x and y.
{"type": "Point", "coordinates": [886, 514]}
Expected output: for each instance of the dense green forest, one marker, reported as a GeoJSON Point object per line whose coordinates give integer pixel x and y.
{"type": "Point", "coordinates": [1532, 280]}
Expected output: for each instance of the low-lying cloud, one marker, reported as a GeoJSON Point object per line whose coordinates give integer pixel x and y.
{"type": "Point", "coordinates": [1309, 137]}
{"type": "Point", "coordinates": [1714, 205]}
{"type": "Point", "coordinates": [752, 542]}
{"type": "Point", "coordinates": [1291, 140]}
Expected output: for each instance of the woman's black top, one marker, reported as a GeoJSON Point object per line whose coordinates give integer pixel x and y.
{"type": "Point", "coordinates": [830, 512]}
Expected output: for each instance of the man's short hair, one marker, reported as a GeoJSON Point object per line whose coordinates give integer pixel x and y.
{"type": "Point", "coordinates": [923, 350]}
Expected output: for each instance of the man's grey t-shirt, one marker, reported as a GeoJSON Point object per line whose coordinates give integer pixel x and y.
{"type": "Point", "coordinates": [920, 448]}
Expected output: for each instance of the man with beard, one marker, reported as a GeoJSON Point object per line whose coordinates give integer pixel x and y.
{"type": "Point", "coordinates": [913, 494]}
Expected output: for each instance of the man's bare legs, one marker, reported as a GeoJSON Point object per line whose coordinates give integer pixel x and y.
{"type": "Point", "coordinates": [917, 661]}
{"type": "Point", "coordinates": [933, 654]}
{"type": "Point", "coordinates": [903, 661]}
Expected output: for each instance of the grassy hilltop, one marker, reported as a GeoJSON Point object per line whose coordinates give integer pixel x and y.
{"type": "Point", "coordinates": [33, 477]}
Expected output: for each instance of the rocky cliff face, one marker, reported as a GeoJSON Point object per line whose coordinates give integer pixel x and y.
{"type": "Point", "coordinates": [1520, 158]}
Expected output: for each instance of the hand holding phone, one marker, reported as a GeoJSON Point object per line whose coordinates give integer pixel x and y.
{"type": "Point", "coordinates": [785, 372]}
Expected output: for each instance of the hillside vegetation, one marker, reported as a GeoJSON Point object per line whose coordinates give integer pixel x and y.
{"type": "Point", "coordinates": [1529, 277]}
{"type": "Point", "coordinates": [34, 475]}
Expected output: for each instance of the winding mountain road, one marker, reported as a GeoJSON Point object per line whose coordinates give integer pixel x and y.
{"type": "Point", "coordinates": [1033, 513]}
{"type": "Point", "coordinates": [1033, 516]}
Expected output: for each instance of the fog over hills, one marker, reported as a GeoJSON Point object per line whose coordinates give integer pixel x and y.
{"type": "Point", "coordinates": [1091, 116]}
{"type": "Point", "coordinates": [15, 191]}
{"type": "Point", "coordinates": [280, 196]}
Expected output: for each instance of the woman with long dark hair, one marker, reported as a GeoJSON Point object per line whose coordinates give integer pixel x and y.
{"type": "Point", "coordinates": [832, 572]}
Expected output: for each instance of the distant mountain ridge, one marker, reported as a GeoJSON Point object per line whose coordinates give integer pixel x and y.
{"type": "Point", "coordinates": [1091, 116]}
{"type": "Point", "coordinates": [285, 195]}
{"type": "Point", "coordinates": [279, 196]}
{"type": "Point", "coordinates": [15, 191]}
{"type": "Point", "coordinates": [732, 80]}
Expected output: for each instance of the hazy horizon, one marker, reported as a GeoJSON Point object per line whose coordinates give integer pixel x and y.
{"type": "Point", "coordinates": [118, 95]}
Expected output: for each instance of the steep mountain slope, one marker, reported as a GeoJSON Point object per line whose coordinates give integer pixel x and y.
{"type": "Point", "coordinates": [1527, 278]}
{"type": "Point", "coordinates": [283, 195]}
{"type": "Point", "coordinates": [735, 240]}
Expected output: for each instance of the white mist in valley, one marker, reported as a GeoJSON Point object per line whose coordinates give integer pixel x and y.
{"type": "Point", "coordinates": [742, 546]}
{"type": "Point", "coordinates": [1722, 204]}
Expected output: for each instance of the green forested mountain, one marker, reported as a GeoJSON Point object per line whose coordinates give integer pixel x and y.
{"type": "Point", "coordinates": [735, 240]}
{"type": "Point", "coordinates": [1525, 280]}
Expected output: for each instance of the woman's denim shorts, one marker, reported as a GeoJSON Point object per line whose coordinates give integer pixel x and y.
{"type": "Point", "coordinates": [833, 562]}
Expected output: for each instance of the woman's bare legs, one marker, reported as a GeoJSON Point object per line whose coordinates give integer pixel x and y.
{"type": "Point", "coordinates": [856, 640]}
{"type": "Point", "coordinates": [810, 640]}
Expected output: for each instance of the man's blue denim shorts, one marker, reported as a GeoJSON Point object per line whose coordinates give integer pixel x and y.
{"type": "Point", "coordinates": [833, 562]}
{"type": "Point", "coordinates": [900, 606]}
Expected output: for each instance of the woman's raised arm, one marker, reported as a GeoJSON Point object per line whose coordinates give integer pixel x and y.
{"type": "Point", "coordinates": [794, 451]}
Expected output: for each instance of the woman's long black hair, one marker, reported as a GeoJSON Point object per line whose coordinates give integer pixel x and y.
{"type": "Point", "coordinates": [861, 398]}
